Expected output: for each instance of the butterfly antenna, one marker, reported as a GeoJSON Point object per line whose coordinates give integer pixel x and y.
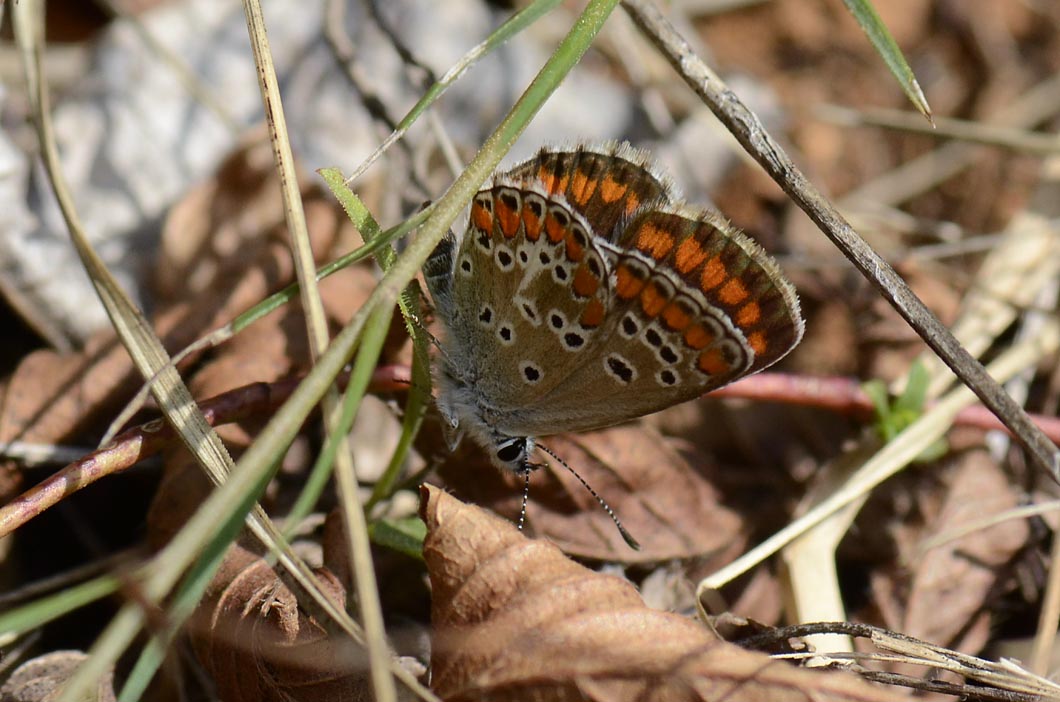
{"type": "Point", "coordinates": [422, 326]}
{"type": "Point", "coordinates": [434, 341]}
{"type": "Point", "coordinates": [526, 496]}
{"type": "Point", "coordinates": [626, 536]}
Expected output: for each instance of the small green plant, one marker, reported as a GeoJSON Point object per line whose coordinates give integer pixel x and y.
{"type": "Point", "coordinates": [894, 415]}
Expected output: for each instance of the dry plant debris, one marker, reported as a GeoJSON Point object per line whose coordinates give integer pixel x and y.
{"type": "Point", "coordinates": [515, 619]}
{"type": "Point", "coordinates": [508, 617]}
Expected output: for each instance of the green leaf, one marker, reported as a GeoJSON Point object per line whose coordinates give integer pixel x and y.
{"type": "Point", "coordinates": [881, 402]}
{"type": "Point", "coordinates": [915, 393]}
{"type": "Point", "coordinates": [401, 535]}
{"type": "Point", "coordinates": [892, 417]}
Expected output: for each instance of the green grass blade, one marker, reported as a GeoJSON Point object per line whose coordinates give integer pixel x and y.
{"type": "Point", "coordinates": [401, 535]}
{"type": "Point", "coordinates": [881, 39]}
{"type": "Point", "coordinates": [39, 612]}
{"type": "Point", "coordinates": [417, 404]}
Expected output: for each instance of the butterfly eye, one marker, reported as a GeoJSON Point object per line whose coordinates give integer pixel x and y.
{"type": "Point", "coordinates": [512, 450]}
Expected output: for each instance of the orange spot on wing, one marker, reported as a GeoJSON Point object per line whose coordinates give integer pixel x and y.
{"type": "Point", "coordinates": [611, 190]}
{"type": "Point", "coordinates": [593, 314]}
{"type": "Point", "coordinates": [697, 337]}
{"type": "Point", "coordinates": [575, 251]}
{"type": "Point", "coordinates": [627, 285]}
{"type": "Point", "coordinates": [712, 362]}
{"type": "Point", "coordinates": [757, 342]}
{"type": "Point", "coordinates": [632, 203]}
{"type": "Point", "coordinates": [689, 255]}
{"type": "Point", "coordinates": [507, 217]}
{"type": "Point", "coordinates": [676, 317]}
{"type": "Point", "coordinates": [654, 241]}
{"type": "Point", "coordinates": [531, 225]}
{"type": "Point", "coordinates": [582, 188]}
{"type": "Point", "coordinates": [652, 300]}
{"type": "Point", "coordinates": [713, 275]}
{"type": "Point", "coordinates": [733, 292]}
{"type": "Point", "coordinates": [481, 218]}
{"type": "Point", "coordinates": [585, 283]}
{"type": "Point", "coordinates": [554, 229]}
{"type": "Point", "coordinates": [549, 178]}
{"type": "Point", "coordinates": [749, 314]}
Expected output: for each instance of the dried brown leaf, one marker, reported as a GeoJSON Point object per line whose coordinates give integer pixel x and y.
{"type": "Point", "coordinates": [947, 590]}
{"type": "Point", "coordinates": [516, 620]}
{"type": "Point", "coordinates": [225, 246]}
{"type": "Point", "coordinates": [41, 679]}
{"type": "Point", "coordinates": [255, 642]}
{"type": "Point", "coordinates": [52, 396]}
{"type": "Point", "coordinates": [224, 249]}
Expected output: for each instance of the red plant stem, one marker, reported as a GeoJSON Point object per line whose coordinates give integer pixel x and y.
{"type": "Point", "coordinates": [841, 395]}
{"type": "Point", "coordinates": [845, 395]}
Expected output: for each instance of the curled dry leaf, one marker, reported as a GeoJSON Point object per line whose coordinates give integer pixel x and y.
{"type": "Point", "coordinates": [515, 619]}
{"type": "Point", "coordinates": [41, 679]}
{"type": "Point", "coordinates": [252, 638]}
{"type": "Point", "coordinates": [668, 506]}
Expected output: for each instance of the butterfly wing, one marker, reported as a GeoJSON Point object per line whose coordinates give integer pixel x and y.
{"type": "Point", "coordinates": [605, 186]}
{"type": "Point", "coordinates": [694, 305]}
{"type": "Point", "coordinates": [526, 292]}
{"type": "Point", "coordinates": [581, 296]}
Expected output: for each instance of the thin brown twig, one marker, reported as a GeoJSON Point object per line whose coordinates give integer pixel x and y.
{"type": "Point", "coordinates": [748, 130]}
{"type": "Point", "coordinates": [148, 439]}
{"type": "Point", "coordinates": [994, 680]}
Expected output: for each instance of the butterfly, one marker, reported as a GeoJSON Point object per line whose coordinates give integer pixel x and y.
{"type": "Point", "coordinates": [585, 293]}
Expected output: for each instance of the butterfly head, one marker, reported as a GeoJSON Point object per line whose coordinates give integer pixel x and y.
{"type": "Point", "coordinates": [467, 412]}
